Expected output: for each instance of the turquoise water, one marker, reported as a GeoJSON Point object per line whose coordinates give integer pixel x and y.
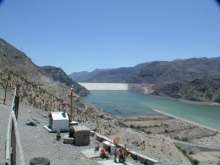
{"type": "Point", "coordinates": [127, 103]}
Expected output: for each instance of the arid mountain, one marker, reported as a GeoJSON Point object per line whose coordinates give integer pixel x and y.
{"type": "Point", "coordinates": [156, 72]}
{"type": "Point", "coordinates": [192, 79]}
{"type": "Point", "coordinates": [16, 61]}
{"type": "Point", "coordinates": [196, 90]}
{"type": "Point", "coordinates": [53, 80]}
{"type": "Point", "coordinates": [57, 74]}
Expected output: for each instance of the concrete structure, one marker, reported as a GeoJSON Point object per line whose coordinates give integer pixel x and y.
{"type": "Point", "coordinates": [40, 160]}
{"type": "Point", "coordinates": [81, 135]}
{"type": "Point", "coordinates": [68, 140]}
{"type": "Point", "coordinates": [105, 86]}
{"type": "Point", "coordinates": [59, 121]}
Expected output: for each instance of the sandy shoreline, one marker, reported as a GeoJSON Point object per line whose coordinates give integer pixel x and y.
{"type": "Point", "coordinates": [188, 121]}
{"type": "Point", "coordinates": [200, 102]}
{"type": "Point", "coordinates": [191, 138]}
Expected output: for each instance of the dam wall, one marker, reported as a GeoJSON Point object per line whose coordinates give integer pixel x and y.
{"type": "Point", "coordinates": [105, 86]}
{"type": "Point", "coordinates": [143, 88]}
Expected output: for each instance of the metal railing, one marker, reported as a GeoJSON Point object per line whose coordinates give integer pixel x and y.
{"type": "Point", "coordinates": [12, 137]}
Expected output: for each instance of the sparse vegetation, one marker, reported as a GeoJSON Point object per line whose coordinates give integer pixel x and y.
{"type": "Point", "coordinates": [193, 161]}
{"type": "Point", "coordinates": [5, 79]}
{"type": "Point", "coordinates": [52, 79]}
{"type": "Point", "coordinates": [29, 92]}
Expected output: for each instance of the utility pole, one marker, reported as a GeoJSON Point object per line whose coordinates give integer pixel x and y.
{"type": "Point", "coordinates": [71, 102]}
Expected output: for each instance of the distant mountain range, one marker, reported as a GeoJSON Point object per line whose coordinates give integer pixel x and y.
{"type": "Point", "coordinates": [193, 79]}
{"type": "Point", "coordinates": [155, 72]}
{"type": "Point", "coordinates": [53, 79]}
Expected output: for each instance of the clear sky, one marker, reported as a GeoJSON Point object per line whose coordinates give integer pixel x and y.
{"type": "Point", "coordinates": [87, 34]}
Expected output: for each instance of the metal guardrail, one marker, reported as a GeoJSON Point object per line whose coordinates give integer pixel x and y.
{"type": "Point", "coordinates": [13, 137]}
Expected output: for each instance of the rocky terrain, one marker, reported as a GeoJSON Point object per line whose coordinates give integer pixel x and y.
{"type": "Point", "coordinates": [169, 140]}
{"type": "Point", "coordinates": [153, 135]}
{"type": "Point", "coordinates": [52, 79]}
{"type": "Point", "coordinates": [57, 74]}
{"type": "Point", "coordinates": [37, 142]}
{"type": "Point", "coordinates": [29, 92]}
{"type": "Point", "coordinates": [45, 89]}
{"type": "Point", "coordinates": [192, 79]}
{"type": "Point", "coordinates": [155, 72]}
{"type": "Point", "coordinates": [207, 90]}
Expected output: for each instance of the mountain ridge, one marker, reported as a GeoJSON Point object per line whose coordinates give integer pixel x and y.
{"type": "Point", "coordinates": [16, 61]}
{"type": "Point", "coordinates": [191, 79]}
{"type": "Point", "coordinates": [154, 72]}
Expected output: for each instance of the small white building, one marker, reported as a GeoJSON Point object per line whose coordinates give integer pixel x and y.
{"type": "Point", "coordinates": [59, 121]}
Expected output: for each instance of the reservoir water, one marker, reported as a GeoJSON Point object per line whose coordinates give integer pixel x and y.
{"type": "Point", "coordinates": [128, 103]}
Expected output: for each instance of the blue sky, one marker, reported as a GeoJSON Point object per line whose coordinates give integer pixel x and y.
{"type": "Point", "coordinates": [87, 34]}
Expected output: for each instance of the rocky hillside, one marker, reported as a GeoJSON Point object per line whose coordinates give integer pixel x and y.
{"type": "Point", "coordinates": [156, 72]}
{"type": "Point", "coordinates": [57, 74]}
{"type": "Point", "coordinates": [192, 79]}
{"type": "Point", "coordinates": [196, 90]}
{"type": "Point", "coordinates": [13, 60]}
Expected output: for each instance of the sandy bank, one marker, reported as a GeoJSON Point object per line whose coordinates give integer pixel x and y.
{"type": "Point", "coordinates": [187, 121]}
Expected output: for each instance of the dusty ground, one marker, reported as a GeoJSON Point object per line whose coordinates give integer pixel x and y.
{"type": "Point", "coordinates": [3, 126]}
{"type": "Point", "coordinates": [175, 129]}
{"type": "Point", "coordinates": [196, 141]}
{"type": "Point", "coordinates": [153, 136]}
{"type": "Point", "coordinates": [36, 141]}
{"type": "Point", "coordinates": [207, 158]}
{"type": "Point", "coordinates": [156, 146]}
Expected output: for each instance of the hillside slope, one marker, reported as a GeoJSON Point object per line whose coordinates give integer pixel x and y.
{"type": "Point", "coordinates": [13, 60]}
{"type": "Point", "coordinates": [155, 72]}
{"type": "Point", "coordinates": [196, 90]}
{"type": "Point", "coordinates": [192, 79]}
{"type": "Point", "coordinates": [57, 74]}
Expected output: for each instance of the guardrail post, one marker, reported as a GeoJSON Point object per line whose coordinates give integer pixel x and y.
{"type": "Point", "coordinates": [13, 145]}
